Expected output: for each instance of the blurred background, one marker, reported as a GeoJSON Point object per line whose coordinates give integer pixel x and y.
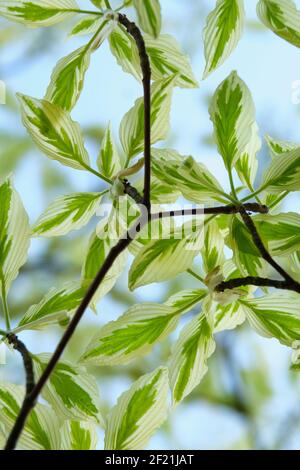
{"type": "Point", "coordinates": [249, 399]}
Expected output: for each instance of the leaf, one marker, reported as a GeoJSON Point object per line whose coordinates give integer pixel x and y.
{"type": "Point", "coordinates": [57, 304]}
{"type": "Point", "coordinates": [245, 254]}
{"type": "Point", "coordinates": [163, 259]}
{"type": "Point", "coordinates": [189, 357]}
{"type": "Point", "coordinates": [191, 178]}
{"type": "Point", "coordinates": [136, 332]}
{"type": "Point", "coordinates": [167, 59]}
{"type": "Point", "coordinates": [54, 132]}
{"type": "Point", "coordinates": [278, 147]}
{"type": "Point", "coordinates": [124, 48]}
{"type": "Point", "coordinates": [213, 249]}
{"type": "Point", "coordinates": [38, 12]}
{"type": "Point", "coordinates": [149, 16]}
{"type": "Point", "coordinates": [280, 232]}
{"type": "Point", "coordinates": [281, 17]}
{"type": "Point", "coordinates": [223, 30]}
{"type": "Point", "coordinates": [233, 115]}
{"type": "Point", "coordinates": [87, 25]}
{"type": "Point", "coordinates": [68, 76]}
{"type": "Point", "coordinates": [67, 213]}
{"type": "Point", "coordinates": [228, 317]}
{"type": "Point", "coordinates": [138, 413]}
{"type": "Point", "coordinates": [41, 431]}
{"type": "Point", "coordinates": [101, 242]}
{"type": "Point", "coordinates": [275, 315]}
{"type": "Point", "coordinates": [132, 125]}
{"type": "Point", "coordinates": [14, 235]}
{"type": "Point", "coordinates": [109, 161]}
{"type": "Point", "coordinates": [284, 173]}
{"type": "Point", "coordinates": [71, 391]}
{"type": "Point", "coordinates": [79, 435]}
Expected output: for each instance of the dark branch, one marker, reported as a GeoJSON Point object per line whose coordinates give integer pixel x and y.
{"type": "Point", "coordinates": [134, 31]}
{"type": "Point", "coordinates": [27, 360]}
{"type": "Point", "coordinates": [259, 282]}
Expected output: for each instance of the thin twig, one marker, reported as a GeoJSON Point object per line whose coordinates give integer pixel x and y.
{"type": "Point", "coordinates": [134, 31]}
{"type": "Point", "coordinates": [259, 282]}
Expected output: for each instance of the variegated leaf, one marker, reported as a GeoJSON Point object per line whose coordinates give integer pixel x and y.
{"type": "Point", "coordinates": [54, 132]}
{"type": "Point", "coordinates": [149, 15]}
{"type": "Point", "coordinates": [213, 249]}
{"type": "Point", "coordinates": [284, 173]}
{"type": "Point", "coordinates": [109, 160]}
{"type": "Point", "coordinates": [223, 30]}
{"type": "Point", "coordinates": [138, 412]}
{"type": "Point", "coordinates": [67, 213]}
{"type": "Point", "coordinates": [280, 232]}
{"type": "Point", "coordinates": [79, 435]}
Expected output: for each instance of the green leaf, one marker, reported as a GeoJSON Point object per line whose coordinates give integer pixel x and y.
{"type": "Point", "coordinates": [164, 258]}
{"type": "Point", "coordinates": [284, 173]}
{"type": "Point", "coordinates": [132, 125]}
{"type": "Point", "coordinates": [109, 161]}
{"type": "Point", "coordinates": [189, 357]}
{"type": "Point", "coordinates": [54, 132]}
{"type": "Point", "coordinates": [87, 25]}
{"type": "Point", "coordinates": [79, 435]}
{"type": "Point", "coordinates": [223, 30]}
{"type": "Point", "coordinates": [100, 244]}
{"type": "Point", "coordinates": [38, 12]}
{"type": "Point", "coordinates": [228, 317]}
{"type": "Point", "coordinates": [41, 431]}
{"type": "Point", "coordinates": [138, 413]}
{"type": "Point", "coordinates": [281, 232]}
{"type": "Point", "coordinates": [56, 305]}
{"type": "Point", "coordinates": [71, 391]}
{"type": "Point", "coordinates": [14, 235]}
{"type": "Point", "coordinates": [245, 254]}
{"type": "Point", "coordinates": [149, 16]}
{"type": "Point", "coordinates": [191, 178]}
{"type": "Point", "coordinates": [213, 249]}
{"type": "Point", "coordinates": [275, 315]}
{"type": "Point", "coordinates": [137, 331]}
{"type": "Point", "coordinates": [281, 17]}
{"type": "Point", "coordinates": [233, 115]}
{"type": "Point", "coordinates": [123, 47]}
{"type": "Point", "coordinates": [278, 147]}
{"type": "Point", "coordinates": [67, 213]}
{"type": "Point", "coordinates": [167, 59]}
{"type": "Point", "coordinates": [68, 76]}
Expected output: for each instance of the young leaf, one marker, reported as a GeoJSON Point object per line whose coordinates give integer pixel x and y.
{"type": "Point", "coordinates": [191, 178]}
{"type": "Point", "coordinates": [79, 435]}
{"type": "Point", "coordinates": [189, 357]}
{"type": "Point", "coordinates": [167, 59]}
{"type": "Point", "coordinates": [67, 213]}
{"type": "Point", "coordinates": [233, 115]}
{"type": "Point", "coordinates": [278, 147]}
{"type": "Point", "coordinates": [14, 235]}
{"type": "Point", "coordinates": [38, 12]}
{"type": "Point", "coordinates": [281, 232]}
{"type": "Point", "coordinates": [123, 47]}
{"type": "Point", "coordinates": [41, 431]}
{"type": "Point", "coordinates": [213, 249]}
{"type": "Point", "coordinates": [284, 173]}
{"type": "Point", "coordinates": [282, 17]}
{"type": "Point", "coordinates": [163, 259]}
{"type": "Point", "coordinates": [87, 25]}
{"type": "Point", "coordinates": [275, 315]}
{"type": "Point", "coordinates": [54, 132]}
{"type": "Point", "coordinates": [109, 161]}
{"type": "Point", "coordinates": [56, 305]}
{"type": "Point", "coordinates": [67, 79]}
{"type": "Point", "coordinates": [228, 317]}
{"type": "Point", "coordinates": [71, 391]}
{"type": "Point", "coordinates": [149, 15]}
{"type": "Point", "coordinates": [136, 332]}
{"type": "Point", "coordinates": [132, 125]}
{"type": "Point", "coordinates": [138, 413]}
{"type": "Point", "coordinates": [223, 30]}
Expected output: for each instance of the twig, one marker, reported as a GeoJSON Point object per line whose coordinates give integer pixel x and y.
{"type": "Point", "coordinates": [134, 31]}
{"type": "Point", "coordinates": [259, 282]}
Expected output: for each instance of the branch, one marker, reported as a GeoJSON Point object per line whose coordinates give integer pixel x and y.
{"type": "Point", "coordinates": [122, 244]}
{"type": "Point", "coordinates": [259, 282]}
{"type": "Point", "coordinates": [134, 31]}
